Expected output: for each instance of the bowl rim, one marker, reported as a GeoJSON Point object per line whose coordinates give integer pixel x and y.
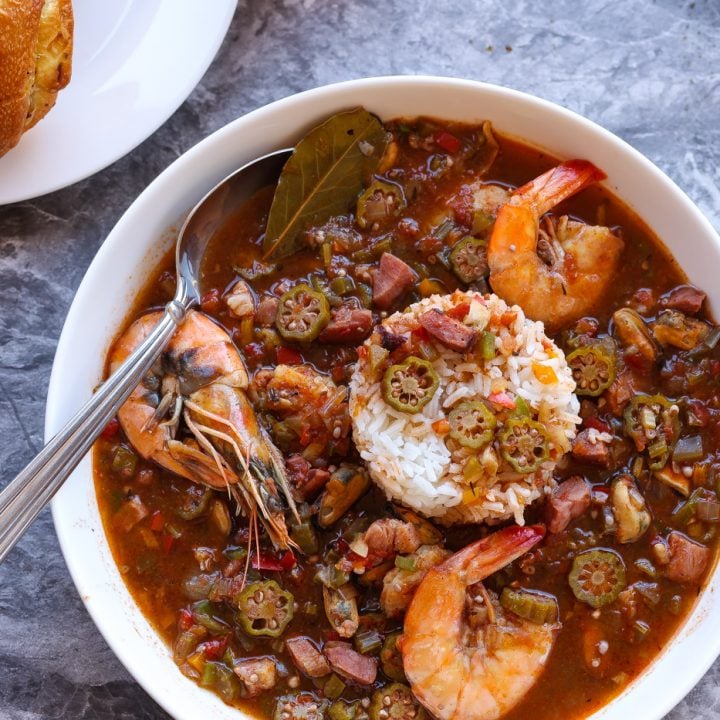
{"type": "Point", "coordinates": [657, 703]}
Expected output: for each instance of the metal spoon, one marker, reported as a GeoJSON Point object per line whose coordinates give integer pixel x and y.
{"type": "Point", "coordinates": [32, 489]}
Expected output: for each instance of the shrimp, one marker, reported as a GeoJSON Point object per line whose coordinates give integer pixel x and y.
{"type": "Point", "coordinates": [190, 415]}
{"type": "Point", "coordinates": [562, 277]}
{"type": "Point", "coordinates": [464, 656]}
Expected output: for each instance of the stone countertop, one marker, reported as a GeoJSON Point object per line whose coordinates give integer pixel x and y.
{"type": "Point", "coordinates": [648, 71]}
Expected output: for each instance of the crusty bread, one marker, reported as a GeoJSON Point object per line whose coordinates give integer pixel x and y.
{"type": "Point", "coordinates": [36, 38]}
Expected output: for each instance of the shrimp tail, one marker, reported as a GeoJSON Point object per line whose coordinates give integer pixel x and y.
{"type": "Point", "coordinates": [486, 556]}
{"type": "Point", "coordinates": [557, 184]}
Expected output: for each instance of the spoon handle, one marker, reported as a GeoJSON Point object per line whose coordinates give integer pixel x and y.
{"type": "Point", "coordinates": [32, 489]}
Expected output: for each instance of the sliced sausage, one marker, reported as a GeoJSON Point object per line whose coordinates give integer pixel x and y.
{"type": "Point", "coordinates": [307, 658]}
{"type": "Point", "coordinates": [688, 559]}
{"type": "Point", "coordinates": [450, 332]}
{"type": "Point", "coordinates": [568, 501]}
{"type": "Point", "coordinates": [588, 448]}
{"type": "Point", "coordinates": [392, 278]}
{"type": "Point", "coordinates": [266, 311]}
{"type": "Point", "coordinates": [685, 298]}
{"type": "Point", "coordinates": [347, 325]}
{"type": "Point", "coordinates": [361, 669]}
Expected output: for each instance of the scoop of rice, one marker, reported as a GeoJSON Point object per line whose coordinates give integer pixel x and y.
{"type": "Point", "coordinates": [413, 458]}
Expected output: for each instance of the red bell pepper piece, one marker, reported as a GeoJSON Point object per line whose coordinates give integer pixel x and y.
{"type": "Point", "coordinates": [288, 356]}
{"type": "Point", "coordinates": [447, 141]}
{"type": "Point", "coordinates": [157, 521]}
{"type": "Point", "coordinates": [111, 429]}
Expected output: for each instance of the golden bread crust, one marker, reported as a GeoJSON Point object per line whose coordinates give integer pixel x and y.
{"type": "Point", "coordinates": [54, 58]}
{"type": "Point", "coordinates": [35, 62]}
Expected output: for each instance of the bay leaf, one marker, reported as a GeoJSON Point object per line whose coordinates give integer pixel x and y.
{"type": "Point", "coordinates": [323, 177]}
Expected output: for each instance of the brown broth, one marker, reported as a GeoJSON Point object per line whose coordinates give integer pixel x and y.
{"type": "Point", "coordinates": [567, 687]}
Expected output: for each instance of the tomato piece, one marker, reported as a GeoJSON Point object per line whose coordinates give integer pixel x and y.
{"type": "Point", "coordinates": [447, 141]}
{"type": "Point", "coordinates": [288, 356]}
{"type": "Point", "coordinates": [210, 301]}
{"type": "Point", "coordinates": [111, 429]}
{"type": "Point", "coordinates": [421, 333]}
{"type": "Point", "coordinates": [254, 350]}
{"type": "Point", "coordinates": [288, 560]}
{"type": "Point", "coordinates": [459, 311]}
{"type": "Point", "coordinates": [157, 521]}
{"type": "Point", "coordinates": [185, 619]}
{"type": "Point", "coordinates": [266, 561]}
{"type": "Point", "coordinates": [214, 649]}
{"type": "Point", "coordinates": [167, 542]}
{"type": "Point", "coordinates": [597, 424]}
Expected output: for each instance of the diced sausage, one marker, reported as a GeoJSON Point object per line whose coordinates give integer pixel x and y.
{"type": "Point", "coordinates": [347, 325]}
{"type": "Point", "coordinates": [697, 413]}
{"type": "Point", "coordinates": [450, 332]}
{"type": "Point", "coordinates": [307, 658]}
{"type": "Point", "coordinates": [568, 501]}
{"type": "Point", "coordinates": [266, 311]}
{"type": "Point", "coordinates": [392, 278]}
{"type": "Point", "coordinates": [618, 395]}
{"type": "Point", "coordinates": [590, 449]}
{"type": "Point", "coordinates": [685, 298]}
{"type": "Point", "coordinates": [298, 468]}
{"type": "Point", "coordinates": [316, 480]}
{"type": "Point", "coordinates": [306, 481]}
{"type": "Point", "coordinates": [257, 674]}
{"type": "Point", "coordinates": [688, 559]}
{"type": "Point", "coordinates": [361, 669]}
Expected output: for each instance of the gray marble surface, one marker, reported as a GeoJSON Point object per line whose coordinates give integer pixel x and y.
{"type": "Point", "coordinates": [648, 71]}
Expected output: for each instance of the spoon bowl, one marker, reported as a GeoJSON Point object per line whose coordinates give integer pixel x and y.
{"type": "Point", "coordinates": [33, 488]}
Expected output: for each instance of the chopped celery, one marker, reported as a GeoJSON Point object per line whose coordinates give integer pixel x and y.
{"type": "Point", "coordinates": [368, 641]}
{"type": "Point", "coordinates": [405, 563]}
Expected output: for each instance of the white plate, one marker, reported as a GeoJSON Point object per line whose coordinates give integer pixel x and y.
{"type": "Point", "coordinates": [126, 258]}
{"type": "Point", "coordinates": [134, 62]}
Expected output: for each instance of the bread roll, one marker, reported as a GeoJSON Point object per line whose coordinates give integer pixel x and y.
{"type": "Point", "coordinates": [36, 38]}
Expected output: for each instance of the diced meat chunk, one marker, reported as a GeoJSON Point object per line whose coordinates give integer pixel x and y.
{"type": "Point", "coordinates": [257, 675]}
{"type": "Point", "coordinates": [687, 558]}
{"type": "Point", "coordinates": [307, 658]}
{"type": "Point", "coordinates": [685, 298]}
{"type": "Point", "coordinates": [266, 311]}
{"type": "Point", "coordinates": [592, 448]}
{"type": "Point", "coordinates": [388, 537]}
{"type": "Point", "coordinates": [450, 332]}
{"type": "Point", "coordinates": [305, 480]}
{"type": "Point", "coordinates": [131, 512]}
{"type": "Point", "coordinates": [618, 395]}
{"type": "Point", "coordinates": [568, 501]}
{"type": "Point", "coordinates": [392, 278]}
{"type": "Point", "coordinates": [361, 669]}
{"type": "Point", "coordinates": [390, 341]}
{"type": "Point", "coordinates": [347, 325]}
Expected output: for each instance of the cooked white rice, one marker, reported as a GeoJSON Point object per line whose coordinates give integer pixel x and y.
{"type": "Point", "coordinates": [423, 469]}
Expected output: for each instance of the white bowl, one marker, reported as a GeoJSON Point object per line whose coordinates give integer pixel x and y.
{"type": "Point", "coordinates": [128, 255]}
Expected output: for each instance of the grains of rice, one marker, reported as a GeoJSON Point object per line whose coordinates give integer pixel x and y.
{"type": "Point", "coordinates": [423, 469]}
